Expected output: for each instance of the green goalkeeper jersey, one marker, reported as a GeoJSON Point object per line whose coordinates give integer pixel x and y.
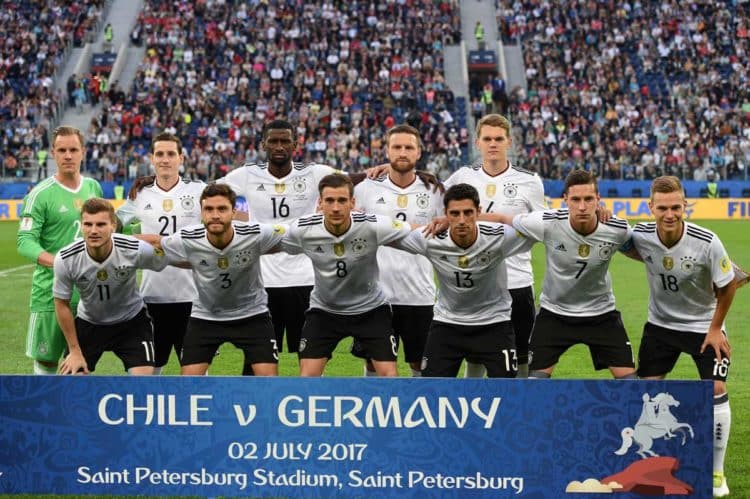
{"type": "Point", "coordinates": [51, 219]}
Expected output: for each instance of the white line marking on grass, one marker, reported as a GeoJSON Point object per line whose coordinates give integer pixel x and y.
{"type": "Point", "coordinates": [5, 272]}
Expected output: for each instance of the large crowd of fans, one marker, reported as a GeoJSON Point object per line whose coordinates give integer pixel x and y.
{"type": "Point", "coordinates": [34, 38]}
{"type": "Point", "coordinates": [632, 89]}
{"type": "Point", "coordinates": [344, 71]}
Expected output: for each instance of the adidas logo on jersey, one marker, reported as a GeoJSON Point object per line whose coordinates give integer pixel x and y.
{"type": "Point", "coordinates": [261, 188]}
{"type": "Point", "coordinates": [318, 250]}
{"type": "Point", "coordinates": [63, 209]}
{"type": "Point", "coordinates": [83, 279]}
{"type": "Point", "coordinates": [148, 207]}
{"type": "Point", "coordinates": [649, 259]}
{"type": "Point", "coordinates": [560, 247]}
{"type": "Point", "coordinates": [380, 201]}
{"type": "Point", "coordinates": [203, 263]}
{"type": "Point", "coordinates": [444, 258]}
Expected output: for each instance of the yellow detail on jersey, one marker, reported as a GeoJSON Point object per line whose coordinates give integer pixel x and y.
{"type": "Point", "coordinates": [725, 264]}
{"type": "Point", "coordinates": [158, 252]}
{"type": "Point", "coordinates": [223, 262]}
{"type": "Point", "coordinates": [167, 204]}
{"type": "Point", "coordinates": [279, 229]}
{"type": "Point", "coordinates": [490, 190]}
{"type": "Point", "coordinates": [279, 188]}
{"type": "Point", "coordinates": [102, 275]}
{"type": "Point", "coordinates": [463, 261]}
{"type": "Point", "coordinates": [584, 250]}
{"type": "Point", "coordinates": [78, 203]}
{"type": "Point", "coordinates": [668, 262]}
{"type": "Point", "coordinates": [402, 200]}
{"type": "Point", "coordinates": [397, 224]}
{"type": "Point", "coordinates": [339, 249]}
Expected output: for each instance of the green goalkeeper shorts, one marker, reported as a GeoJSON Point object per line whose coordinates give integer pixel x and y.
{"type": "Point", "coordinates": [44, 341]}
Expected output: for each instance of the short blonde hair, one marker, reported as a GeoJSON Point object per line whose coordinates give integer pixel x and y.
{"type": "Point", "coordinates": [66, 131]}
{"type": "Point", "coordinates": [493, 120]}
{"type": "Point", "coordinates": [666, 184]}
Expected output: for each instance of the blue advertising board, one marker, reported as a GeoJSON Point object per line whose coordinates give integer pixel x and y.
{"type": "Point", "coordinates": [353, 437]}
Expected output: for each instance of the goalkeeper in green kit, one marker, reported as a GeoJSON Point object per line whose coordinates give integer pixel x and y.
{"type": "Point", "coordinates": [50, 220]}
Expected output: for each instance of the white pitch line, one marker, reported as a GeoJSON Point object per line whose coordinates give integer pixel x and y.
{"type": "Point", "coordinates": [5, 272]}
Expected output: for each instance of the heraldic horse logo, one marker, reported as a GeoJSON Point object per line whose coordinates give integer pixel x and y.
{"type": "Point", "coordinates": [655, 422]}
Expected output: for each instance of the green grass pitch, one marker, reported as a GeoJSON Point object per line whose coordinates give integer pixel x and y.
{"type": "Point", "coordinates": [631, 293]}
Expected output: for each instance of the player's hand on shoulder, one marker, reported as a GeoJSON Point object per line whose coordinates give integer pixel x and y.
{"type": "Point", "coordinates": [378, 170]}
{"type": "Point", "coordinates": [436, 226]}
{"type": "Point", "coordinates": [430, 181]}
{"type": "Point", "coordinates": [138, 185]}
{"type": "Point", "coordinates": [603, 213]}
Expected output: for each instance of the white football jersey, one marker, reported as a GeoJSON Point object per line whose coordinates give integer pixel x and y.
{"type": "Point", "coordinates": [681, 278]}
{"type": "Point", "coordinates": [512, 192]}
{"type": "Point", "coordinates": [577, 280]}
{"type": "Point", "coordinates": [407, 279]}
{"type": "Point", "coordinates": [346, 266]}
{"type": "Point", "coordinates": [228, 280]}
{"type": "Point", "coordinates": [164, 213]}
{"type": "Point", "coordinates": [109, 290]}
{"type": "Point", "coordinates": [275, 200]}
{"type": "Point", "coordinates": [470, 280]}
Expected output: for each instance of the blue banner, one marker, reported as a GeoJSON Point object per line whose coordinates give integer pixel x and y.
{"type": "Point", "coordinates": [353, 437]}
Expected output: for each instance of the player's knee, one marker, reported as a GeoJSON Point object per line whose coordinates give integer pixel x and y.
{"type": "Point", "coordinates": [720, 388]}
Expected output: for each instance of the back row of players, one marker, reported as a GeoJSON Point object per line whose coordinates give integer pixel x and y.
{"type": "Point", "coordinates": [326, 286]}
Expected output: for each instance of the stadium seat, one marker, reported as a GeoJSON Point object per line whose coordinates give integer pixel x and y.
{"type": "Point", "coordinates": [723, 192]}
{"type": "Point", "coordinates": [703, 192]}
{"type": "Point", "coordinates": [637, 192]}
{"type": "Point", "coordinates": [746, 193]}
{"type": "Point", "coordinates": [612, 192]}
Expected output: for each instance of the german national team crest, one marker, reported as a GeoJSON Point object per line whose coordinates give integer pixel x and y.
{"type": "Point", "coordinates": [187, 203]}
{"type": "Point", "coordinates": [463, 261]}
{"type": "Point", "coordinates": [687, 264]}
{"type": "Point", "coordinates": [402, 200]}
{"type": "Point", "coordinates": [584, 250]}
{"type": "Point", "coordinates": [279, 188]}
{"type": "Point", "coordinates": [490, 190]}
{"type": "Point", "coordinates": [668, 262]}
{"type": "Point", "coordinates": [339, 249]}
{"type": "Point", "coordinates": [484, 258]}
{"type": "Point", "coordinates": [510, 190]}
{"type": "Point", "coordinates": [223, 262]}
{"type": "Point", "coordinates": [78, 203]}
{"type": "Point", "coordinates": [102, 275]}
{"type": "Point", "coordinates": [122, 273]}
{"type": "Point", "coordinates": [167, 204]}
{"type": "Point", "coordinates": [423, 201]}
{"type": "Point", "coordinates": [299, 185]}
{"type": "Point", "coordinates": [359, 246]}
{"type": "Point", "coordinates": [605, 251]}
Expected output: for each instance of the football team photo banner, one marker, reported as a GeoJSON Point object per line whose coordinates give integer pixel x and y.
{"type": "Point", "coordinates": [353, 437]}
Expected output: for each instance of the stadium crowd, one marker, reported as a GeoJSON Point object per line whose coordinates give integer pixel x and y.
{"type": "Point", "coordinates": [631, 90]}
{"type": "Point", "coordinates": [34, 37]}
{"type": "Point", "coordinates": [345, 72]}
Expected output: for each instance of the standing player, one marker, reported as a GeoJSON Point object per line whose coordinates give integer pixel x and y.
{"type": "Point", "coordinates": [232, 304]}
{"type": "Point", "coordinates": [407, 279]}
{"type": "Point", "coordinates": [281, 191]}
{"type": "Point", "coordinates": [164, 207]}
{"type": "Point", "coordinates": [347, 299]}
{"type": "Point", "coordinates": [691, 287]}
{"type": "Point", "coordinates": [577, 303]}
{"type": "Point", "coordinates": [508, 189]}
{"type": "Point", "coordinates": [111, 314]}
{"type": "Point", "coordinates": [51, 220]}
{"type": "Point", "coordinates": [472, 313]}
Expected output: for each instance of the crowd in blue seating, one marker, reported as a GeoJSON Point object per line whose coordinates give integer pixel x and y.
{"type": "Point", "coordinates": [344, 71]}
{"type": "Point", "coordinates": [34, 36]}
{"type": "Point", "coordinates": [632, 89]}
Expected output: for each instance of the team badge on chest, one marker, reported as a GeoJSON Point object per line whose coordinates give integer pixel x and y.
{"type": "Point", "coordinates": [584, 250]}
{"type": "Point", "coordinates": [668, 262]}
{"type": "Point", "coordinates": [187, 203]}
{"type": "Point", "coordinates": [359, 246]}
{"type": "Point", "coordinates": [279, 188]}
{"type": "Point", "coordinates": [339, 249]}
{"type": "Point", "coordinates": [490, 190]}
{"type": "Point", "coordinates": [102, 275]}
{"type": "Point", "coordinates": [223, 262]}
{"type": "Point", "coordinates": [402, 200]}
{"type": "Point", "coordinates": [423, 201]}
{"type": "Point", "coordinates": [167, 205]}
